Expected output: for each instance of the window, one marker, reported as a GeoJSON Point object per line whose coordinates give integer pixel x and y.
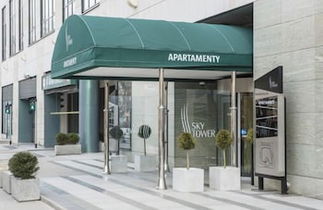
{"type": "Point", "coordinates": [20, 26]}
{"type": "Point", "coordinates": [33, 19]}
{"type": "Point", "coordinates": [4, 33]}
{"type": "Point", "coordinates": [68, 8]}
{"type": "Point", "coordinates": [12, 28]}
{"type": "Point", "coordinates": [88, 4]}
{"type": "Point", "coordinates": [47, 17]}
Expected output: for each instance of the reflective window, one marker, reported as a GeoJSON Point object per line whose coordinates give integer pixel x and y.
{"type": "Point", "coordinates": [88, 4]}
{"type": "Point", "coordinates": [34, 20]}
{"type": "Point", "coordinates": [12, 27]}
{"type": "Point", "coordinates": [20, 25]}
{"type": "Point", "coordinates": [68, 8]}
{"type": "Point", "coordinates": [4, 33]}
{"type": "Point", "coordinates": [47, 17]}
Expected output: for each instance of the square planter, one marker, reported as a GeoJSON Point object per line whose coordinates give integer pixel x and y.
{"type": "Point", "coordinates": [6, 184]}
{"type": "Point", "coordinates": [224, 178]}
{"type": "Point", "coordinates": [25, 189]}
{"type": "Point", "coordinates": [69, 149]}
{"type": "Point", "coordinates": [119, 163]}
{"type": "Point", "coordinates": [145, 163]}
{"type": "Point", "coordinates": [3, 167]}
{"type": "Point", "coordinates": [188, 180]}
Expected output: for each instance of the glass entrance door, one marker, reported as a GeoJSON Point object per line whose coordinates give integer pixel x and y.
{"type": "Point", "coordinates": [246, 122]}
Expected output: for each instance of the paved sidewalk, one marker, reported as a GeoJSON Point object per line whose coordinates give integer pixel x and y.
{"type": "Point", "coordinates": [93, 191]}
{"type": "Point", "coordinates": [77, 183]}
{"type": "Point", "coordinates": [8, 203]}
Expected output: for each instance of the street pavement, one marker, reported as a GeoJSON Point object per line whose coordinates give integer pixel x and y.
{"type": "Point", "coordinates": [77, 183]}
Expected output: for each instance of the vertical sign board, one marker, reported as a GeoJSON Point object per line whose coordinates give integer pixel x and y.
{"type": "Point", "coordinates": [270, 146]}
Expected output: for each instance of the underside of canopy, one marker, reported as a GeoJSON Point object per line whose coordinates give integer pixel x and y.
{"type": "Point", "coordinates": [118, 48]}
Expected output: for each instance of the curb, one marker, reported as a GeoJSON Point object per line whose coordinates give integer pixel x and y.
{"type": "Point", "coordinates": [51, 203]}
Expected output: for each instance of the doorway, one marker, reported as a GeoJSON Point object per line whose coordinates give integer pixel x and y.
{"type": "Point", "coordinates": [245, 123]}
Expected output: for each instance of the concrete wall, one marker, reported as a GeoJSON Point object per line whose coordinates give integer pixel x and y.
{"type": "Point", "coordinates": [289, 33]}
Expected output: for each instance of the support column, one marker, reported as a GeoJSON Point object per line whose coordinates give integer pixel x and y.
{"type": "Point", "coordinates": [89, 115]}
{"type": "Point", "coordinates": [106, 168]}
{"type": "Point", "coordinates": [166, 165]}
{"type": "Point", "coordinates": [161, 133]}
{"type": "Point", "coordinates": [233, 119]}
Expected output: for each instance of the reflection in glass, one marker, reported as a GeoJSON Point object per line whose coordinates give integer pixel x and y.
{"type": "Point", "coordinates": [266, 117]}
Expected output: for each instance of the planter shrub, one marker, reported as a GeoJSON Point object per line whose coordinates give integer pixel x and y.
{"type": "Point", "coordinates": [23, 165]}
{"type": "Point", "coordinates": [249, 137]}
{"type": "Point", "coordinates": [62, 139]}
{"type": "Point", "coordinates": [186, 142]}
{"type": "Point", "coordinates": [144, 133]}
{"type": "Point", "coordinates": [73, 138]}
{"type": "Point", "coordinates": [223, 141]}
{"type": "Point", "coordinates": [117, 134]}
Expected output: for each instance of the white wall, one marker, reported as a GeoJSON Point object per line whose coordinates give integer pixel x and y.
{"type": "Point", "coordinates": [292, 37]}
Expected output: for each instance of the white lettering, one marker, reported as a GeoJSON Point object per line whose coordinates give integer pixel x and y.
{"type": "Point", "coordinates": [170, 57]}
{"type": "Point", "coordinates": [193, 58]}
{"type": "Point", "coordinates": [69, 62]}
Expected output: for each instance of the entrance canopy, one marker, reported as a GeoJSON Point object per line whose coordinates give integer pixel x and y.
{"type": "Point", "coordinates": [89, 47]}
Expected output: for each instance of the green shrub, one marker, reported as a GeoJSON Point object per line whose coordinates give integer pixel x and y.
{"type": "Point", "coordinates": [117, 134]}
{"type": "Point", "coordinates": [144, 133]}
{"type": "Point", "coordinates": [62, 139]}
{"type": "Point", "coordinates": [223, 140]}
{"type": "Point", "coordinates": [186, 142]}
{"type": "Point", "coordinates": [23, 165]}
{"type": "Point", "coordinates": [249, 137]}
{"type": "Point", "coordinates": [73, 138]}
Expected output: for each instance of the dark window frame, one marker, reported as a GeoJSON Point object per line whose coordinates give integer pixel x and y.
{"type": "Point", "coordinates": [32, 32]}
{"type": "Point", "coordinates": [4, 33]}
{"type": "Point", "coordinates": [67, 4]}
{"type": "Point", "coordinates": [90, 7]}
{"type": "Point", "coordinates": [20, 27]}
{"type": "Point", "coordinates": [12, 28]}
{"type": "Point", "coordinates": [46, 19]}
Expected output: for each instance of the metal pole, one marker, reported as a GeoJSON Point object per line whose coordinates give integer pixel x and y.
{"type": "Point", "coordinates": [161, 185]}
{"type": "Point", "coordinates": [10, 123]}
{"type": "Point", "coordinates": [35, 130]}
{"type": "Point", "coordinates": [233, 120]}
{"type": "Point", "coordinates": [166, 165]}
{"type": "Point", "coordinates": [106, 168]}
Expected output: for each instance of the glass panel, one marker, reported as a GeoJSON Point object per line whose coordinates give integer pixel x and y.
{"type": "Point", "coordinates": [246, 120]}
{"type": "Point", "coordinates": [197, 110]}
{"type": "Point", "coordinates": [7, 118]}
{"type": "Point", "coordinates": [120, 113]}
{"type": "Point", "coordinates": [224, 122]}
{"type": "Point", "coordinates": [266, 117]}
{"type": "Point", "coordinates": [72, 106]}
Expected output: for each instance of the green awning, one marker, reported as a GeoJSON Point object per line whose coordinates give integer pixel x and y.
{"type": "Point", "coordinates": [89, 46]}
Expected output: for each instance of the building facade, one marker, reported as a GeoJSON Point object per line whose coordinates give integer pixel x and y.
{"type": "Point", "coordinates": [286, 33]}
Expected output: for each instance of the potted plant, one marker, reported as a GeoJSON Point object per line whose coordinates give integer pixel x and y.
{"type": "Point", "coordinates": [117, 134]}
{"type": "Point", "coordinates": [5, 177]}
{"type": "Point", "coordinates": [187, 179]}
{"type": "Point", "coordinates": [24, 184]}
{"type": "Point", "coordinates": [67, 144]}
{"type": "Point", "coordinates": [224, 178]}
{"type": "Point", "coordinates": [145, 162]}
{"type": "Point", "coordinates": [250, 138]}
{"type": "Point", "coordinates": [118, 162]}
